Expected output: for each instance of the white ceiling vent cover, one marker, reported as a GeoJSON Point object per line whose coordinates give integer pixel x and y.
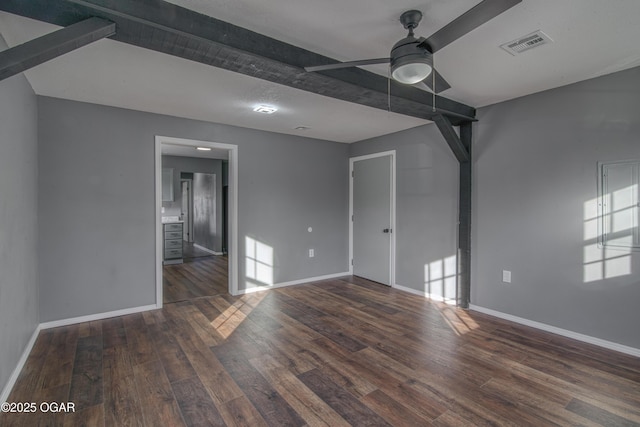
{"type": "Point", "coordinates": [524, 43]}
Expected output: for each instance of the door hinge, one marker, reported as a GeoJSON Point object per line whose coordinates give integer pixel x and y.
{"type": "Point", "coordinates": [351, 218]}
{"type": "Point", "coordinates": [351, 261]}
{"type": "Point", "coordinates": [353, 174]}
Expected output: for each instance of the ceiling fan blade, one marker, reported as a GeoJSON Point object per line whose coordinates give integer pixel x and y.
{"type": "Point", "coordinates": [441, 83]}
{"type": "Point", "coordinates": [422, 85]}
{"type": "Point", "coordinates": [467, 22]}
{"type": "Point", "coordinates": [348, 64]}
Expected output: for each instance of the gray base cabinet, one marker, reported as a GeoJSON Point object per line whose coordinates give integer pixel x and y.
{"type": "Point", "coordinates": [172, 237]}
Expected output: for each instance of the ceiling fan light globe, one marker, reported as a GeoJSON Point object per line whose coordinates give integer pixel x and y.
{"type": "Point", "coordinates": [411, 73]}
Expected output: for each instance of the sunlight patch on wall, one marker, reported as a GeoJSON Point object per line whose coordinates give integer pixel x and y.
{"type": "Point", "coordinates": [624, 212]}
{"type": "Point", "coordinates": [619, 204]}
{"type": "Point", "coordinates": [441, 279]}
{"type": "Point", "coordinates": [259, 261]}
{"type": "Point", "coordinates": [605, 263]}
{"type": "Point", "coordinates": [591, 219]}
{"type": "Point", "coordinates": [610, 232]}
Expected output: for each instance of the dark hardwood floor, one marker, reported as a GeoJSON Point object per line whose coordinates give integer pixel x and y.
{"type": "Point", "coordinates": [196, 277]}
{"type": "Point", "coordinates": [190, 250]}
{"type": "Point", "coordinates": [330, 353]}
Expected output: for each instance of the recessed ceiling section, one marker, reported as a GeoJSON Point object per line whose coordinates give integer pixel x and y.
{"type": "Point", "coordinates": [591, 38]}
{"type": "Point", "coordinates": [117, 74]}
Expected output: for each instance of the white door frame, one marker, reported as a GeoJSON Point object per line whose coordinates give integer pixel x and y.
{"type": "Point", "coordinates": [392, 251]}
{"type": "Point", "coordinates": [189, 220]}
{"type": "Point", "coordinates": [232, 239]}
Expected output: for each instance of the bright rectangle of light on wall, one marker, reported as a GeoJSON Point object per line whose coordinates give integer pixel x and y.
{"type": "Point", "coordinates": [611, 222]}
{"type": "Point", "coordinates": [259, 261]}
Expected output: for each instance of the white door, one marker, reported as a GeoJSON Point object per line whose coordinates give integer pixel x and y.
{"type": "Point", "coordinates": [373, 218]}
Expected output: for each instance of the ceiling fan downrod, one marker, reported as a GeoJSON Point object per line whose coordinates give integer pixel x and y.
{"type": "Point", "coordinates": [411, 19]}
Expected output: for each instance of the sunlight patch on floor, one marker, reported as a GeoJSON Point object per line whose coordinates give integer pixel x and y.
{"type": "Point", "coordinates": [233, 316]}
{"type": "Point", "coordinates": [458, 320]}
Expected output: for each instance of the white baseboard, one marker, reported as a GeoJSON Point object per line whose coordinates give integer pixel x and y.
{"type": "Point", "coordinates": [54, 324]}
{"type": "Point", "coordinates": [202, 248]}
{"type": "Point", "coordinates": [434, 297]}
{"type": "Point", "coordinates": [559, 331]}
{"type": "Point", "coordinates": [16, 372]}
{"type": "Point", "coordinates": [99, 316]}
{"type": "Point", "coordinates": [291, 283]}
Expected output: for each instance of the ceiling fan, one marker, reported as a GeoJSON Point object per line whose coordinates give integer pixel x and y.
{"type": "Point", "coordinates": [411, 59]}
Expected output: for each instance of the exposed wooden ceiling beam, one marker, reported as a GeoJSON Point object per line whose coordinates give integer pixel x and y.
{"type": "Point", "coordinates": [167, 28]}
{"type": "Point", "coordinates": [446, 129]}
{"type": "Point", "coordinates": [35, 52]}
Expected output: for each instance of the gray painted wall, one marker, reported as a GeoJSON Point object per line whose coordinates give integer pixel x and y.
{"type": "Point", "coordinates": [426, 207]}
{"type": "Point", "coordinates": [535, 168]}
{"type": "Point", "coordinates": [181, 165]}
{"type": "Point", "coordinates": [98, 233]}
{"type": "Point", "coordinates": [18, 220]}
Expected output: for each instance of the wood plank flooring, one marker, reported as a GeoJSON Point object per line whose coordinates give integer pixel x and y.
{"type": "Point", "coordinates": [331, 353]}
{"type": "Point", "coordinates": [196, 277]}
{"type": "Point", "coordinates": [190, 250]}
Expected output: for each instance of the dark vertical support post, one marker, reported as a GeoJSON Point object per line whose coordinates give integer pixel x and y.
{"type": "Point", "coordinates": [461, 148]}
{"type": "Point", "coordinates": [464, 220]}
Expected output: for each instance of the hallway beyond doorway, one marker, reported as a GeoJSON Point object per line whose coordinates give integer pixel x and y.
{"type": "Point", "coordinates": [196, 277]}
{"type": "Point", "coordinates": [191, 250]}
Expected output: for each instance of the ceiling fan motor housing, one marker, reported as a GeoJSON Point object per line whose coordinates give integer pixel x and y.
{"type": "Point", "coordinates": [406, 51]}
{"type": "Point", "coordinates": [408, 46]}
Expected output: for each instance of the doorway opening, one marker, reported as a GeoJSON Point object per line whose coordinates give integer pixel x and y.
{"type": "Point", "coordinates": [181, 206]}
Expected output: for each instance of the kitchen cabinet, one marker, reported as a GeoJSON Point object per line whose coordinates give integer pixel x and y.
{"type": "Point", "coordinates": [172, 242]}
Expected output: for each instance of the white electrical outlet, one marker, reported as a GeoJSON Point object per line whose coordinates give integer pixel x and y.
{"type": "Point", "coordinates": [311, 253]}
{"type": "Point", "coordinates": [506, 276]}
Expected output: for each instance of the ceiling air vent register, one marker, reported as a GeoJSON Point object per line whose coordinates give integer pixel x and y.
{"type": "Point", "coordinates": [528, 42]}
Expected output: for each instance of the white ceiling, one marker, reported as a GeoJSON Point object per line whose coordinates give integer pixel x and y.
{"type": "Point", "coordinates": [591, 38]}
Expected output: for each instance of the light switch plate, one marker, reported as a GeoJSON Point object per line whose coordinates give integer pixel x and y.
{"type": "Point", "coordinates": [506, 276]}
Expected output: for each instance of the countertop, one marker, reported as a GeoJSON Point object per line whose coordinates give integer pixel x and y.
{"type": "Point", "coordinates": [171, 220]}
